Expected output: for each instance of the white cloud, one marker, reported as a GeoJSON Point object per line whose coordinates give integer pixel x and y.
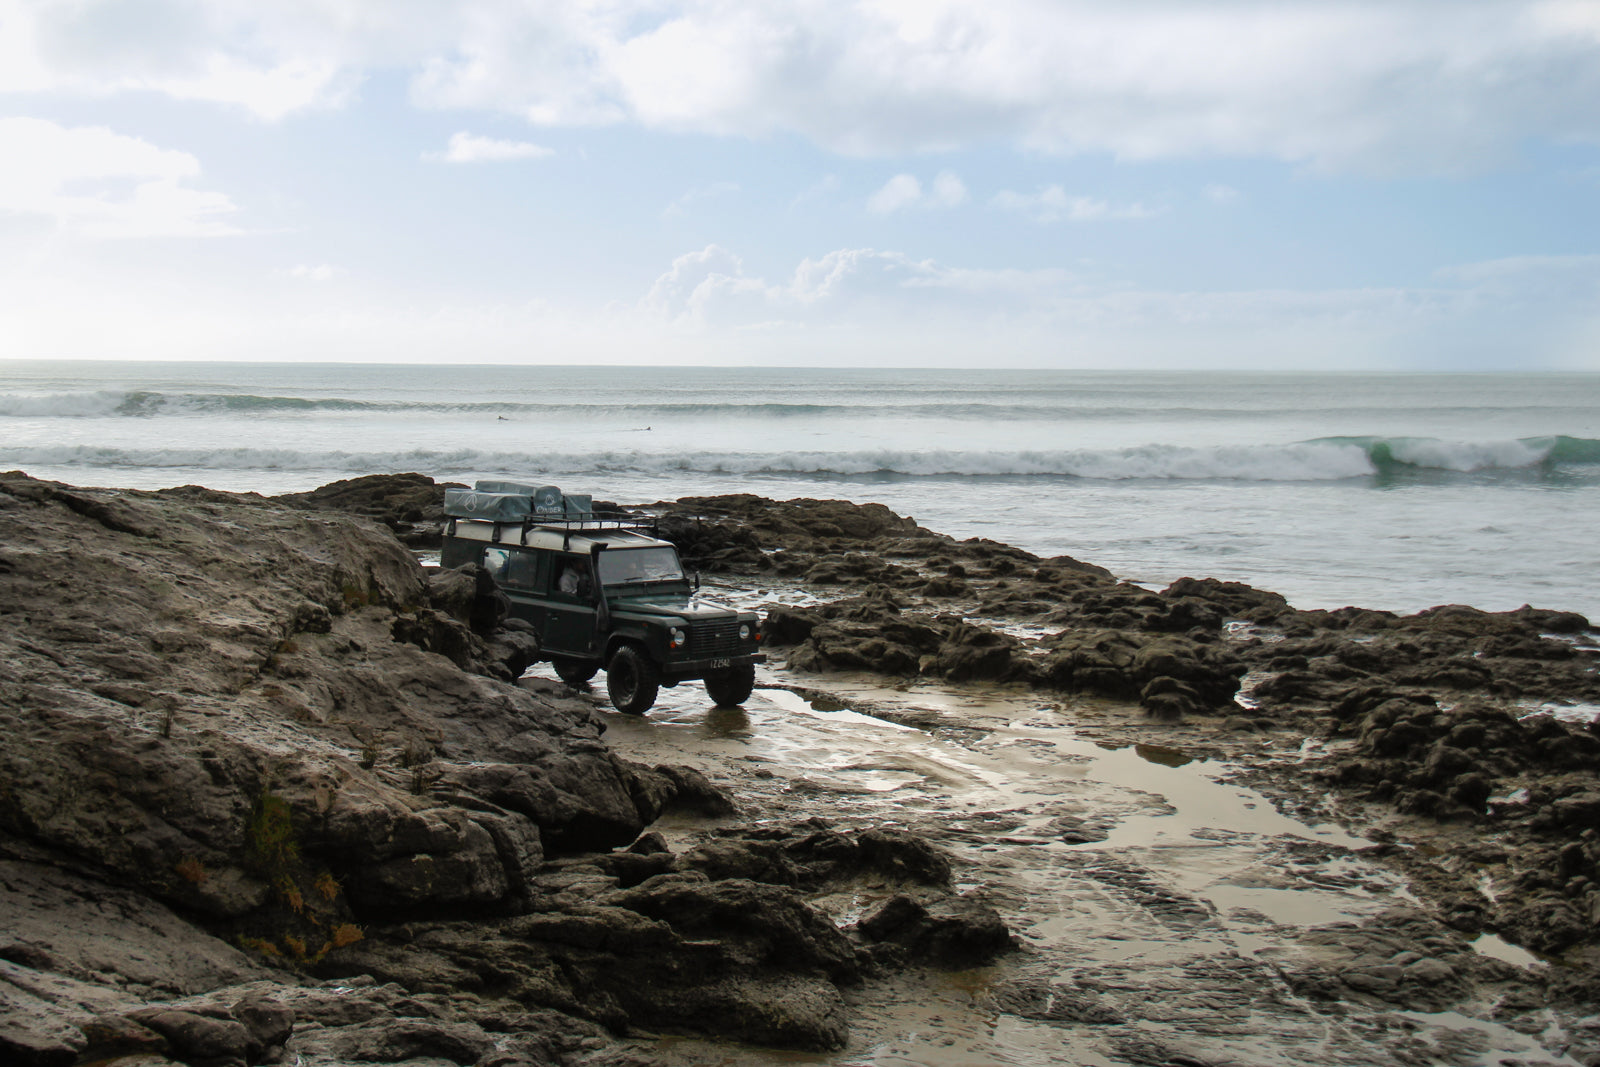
{"type": "Point", "coordinates": [1404, 85]}
{"type": "Point", "coordinates": [849, 307]}
{"type": "Point", "coordinates": [703, 192]}
{"type": "Point", "coordinates": [466, 147]}
{"type": "Point", "coordinates": [314, 272]}
{"type": "Point", "coordinates": [1578, 17]}
{"type": "Point", "coordinates": [948, 190]}
{"type": "Point", "coordinates": [1534, 287]}
{"type": "Point", "coordinates": [1222, 194]}
{"type": "Point", "coordinates": [271, 62]}
{"type": "Point", "coordinates": [886, 307]}
{"type": "Point", "coordinates": [821, 189]}
{"type": "Point", "coordinates": [1522, 267]}
{"type": "Point", "coordinates": [695, 280]}
{"type": "Point", "coordinates": [1408, 84]}
{"type": "Point", "coordinates": [710, 289]}
{"type": "Point", "coordinates": [901, 191]}
{"type": "Point", "coordinates": [97, 183]}
{"type": "Point", "coordinates": [905, 191]}
{"type": "Point", "coordinates": [1053, 204]}
{"type": "Point", "coordinates": [269, 91]}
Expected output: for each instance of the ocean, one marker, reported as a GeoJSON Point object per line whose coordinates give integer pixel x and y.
{"type": "Point", "coordinates": [1386, 491]}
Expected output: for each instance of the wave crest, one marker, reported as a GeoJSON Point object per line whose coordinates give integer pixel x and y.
{"type": "Point", "coordinates": [1328, 459]}
{"type": "Point", "coordinates": [1391, 454]}
{"type": "Point", "coordinates": [146, 404]}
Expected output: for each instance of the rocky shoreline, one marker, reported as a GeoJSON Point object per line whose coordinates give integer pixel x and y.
{"type": "Point", "coordinates": [269, 785]}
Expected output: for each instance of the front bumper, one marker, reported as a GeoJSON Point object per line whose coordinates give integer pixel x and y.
{"type": "Point", "coordinates": [683, 670]}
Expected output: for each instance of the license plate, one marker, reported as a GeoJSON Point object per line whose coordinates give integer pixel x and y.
{"type": "Point", "coordinates": [721, 663]}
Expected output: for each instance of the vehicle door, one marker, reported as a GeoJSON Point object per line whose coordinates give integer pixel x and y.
{"type": "Point", "coordinates": [569, 605]}
{"type": "Point", "coordinates": [520, 575]}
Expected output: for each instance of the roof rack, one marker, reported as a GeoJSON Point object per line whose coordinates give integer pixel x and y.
{"type": "Point", "coordinates": [566, 527]}
{"type": "Point", "coordinates": [525, 508]}
{"type": "Point", "coordinates": [584, 524]}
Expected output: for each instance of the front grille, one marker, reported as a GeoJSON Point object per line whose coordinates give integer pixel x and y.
{"type": "Point", "coordinates": [707, 639]}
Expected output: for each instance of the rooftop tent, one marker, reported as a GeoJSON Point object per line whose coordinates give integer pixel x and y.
{"type": "Point", "coordinates": [500, 501]}
{"type": "Point", "coordinates": [548, 503]}
{"type": "Point", "coordinates": [488, 485]}
{"type": "Point", "coordinates": [494, 507]}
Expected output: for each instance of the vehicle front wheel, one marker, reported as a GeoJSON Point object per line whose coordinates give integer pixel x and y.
{"type": "Point", "coordinates": [575, 671]}
{"type": "Point", "coordinates": [632, 680]}
{"type": "Point", "coordinates": [732, 686]}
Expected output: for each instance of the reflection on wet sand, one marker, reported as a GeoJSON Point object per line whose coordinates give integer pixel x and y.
{"type": "Point", "coordinates": [1170, 912]}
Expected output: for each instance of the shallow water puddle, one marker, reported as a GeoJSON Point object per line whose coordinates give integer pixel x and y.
{"type": "Point", "coordinates": [1198, 800]}
{"type": "Point", "coordinates": [1564, 711]}
{"type": "Point", "coordinates": [1021, 765]}
{"type": "Point", "coordinates": [1501, 949]}
{"type": "Point", "coordinates": [874, 752]}
{"type": "Point", "coordinates": [795, 704]}
{"type": "Point", "coordinates": [1480, 1043]}
{"type": "Point", "coordinates": [1223, 846]}
{"type": "Point", "coordinates": [1159, 902]}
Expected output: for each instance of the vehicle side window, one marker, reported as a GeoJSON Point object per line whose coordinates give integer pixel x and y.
{"type": "Point", "coordinates": [496, 561]}
{"type": "Point", "coordinates": [573, 577]}
{"type": "Point", "coordinates": [518, 570]}
{"type": "Point", "coordinates": [524, 572]}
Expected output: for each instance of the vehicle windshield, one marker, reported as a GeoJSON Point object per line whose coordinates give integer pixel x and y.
{"type": "Point", "coordinates": [630, 566]}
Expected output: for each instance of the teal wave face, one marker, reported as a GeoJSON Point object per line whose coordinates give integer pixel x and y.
{"type": "Point", "coordinates": [1571, 451]}
{"type": "Point", "coordinates": [1398, 454]}
{"type": "Point", "coordinates": [153, 404]}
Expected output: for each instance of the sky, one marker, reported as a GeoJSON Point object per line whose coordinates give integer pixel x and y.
{"type": "Point", "coordinates": [1241, 184]}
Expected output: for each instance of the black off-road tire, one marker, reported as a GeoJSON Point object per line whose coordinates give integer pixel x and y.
{"type": "Point", "coordinates": [575, 671]}
{"type": "Point", "coordinates": [632, 680]}
{"type": "Point", "coordinates": [732, 686]}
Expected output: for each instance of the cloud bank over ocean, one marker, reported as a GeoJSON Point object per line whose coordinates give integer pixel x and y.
{"type": "Point", "coordinates": [1078, 183]}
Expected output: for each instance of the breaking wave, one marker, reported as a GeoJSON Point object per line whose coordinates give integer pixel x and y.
{"type": "Point", "coordinates": [1323, 460]}
{"type": "Point", "coordinates": [150, 404]}
{"type": "Point", "coordinates": [147, 404]}
{"type": "Point", "coordinates": [581, 406]}
{"type": "Point", "coordinates": [1393, 454]}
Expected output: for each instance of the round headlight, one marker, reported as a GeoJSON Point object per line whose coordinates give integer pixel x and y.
{"type": "Point", "coordinates": [744, 632]}
{"type": "Point", "coordinates": [677, 636]}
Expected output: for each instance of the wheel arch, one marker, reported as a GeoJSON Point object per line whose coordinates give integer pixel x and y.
{"type": "Point", "coordinates": [617, 638]}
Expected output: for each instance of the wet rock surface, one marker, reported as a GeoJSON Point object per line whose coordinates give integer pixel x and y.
{"type": "Point", "coordinates": [897, 599]}
{"type": "Point", "coordinates": [411, 505]}
{"type": "Point", "coordinates": [255, 744]}
{"type": "Point", "coordinates": [269, 792]}
{"type": "Point", "coordinates": [1465, 737]}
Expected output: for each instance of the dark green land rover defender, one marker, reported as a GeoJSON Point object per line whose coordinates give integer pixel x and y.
{"type": "Point", "coordinates": [603, 594]}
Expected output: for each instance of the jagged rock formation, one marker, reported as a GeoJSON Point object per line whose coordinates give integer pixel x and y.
{"type": "Point", "coordinates": [247, 744]}
{"type": "Point", "coordinates": [267, 786]}
{"type": "Point", "coordinates": [1445, 715]}
{"type": "Point", "coordinates": [411, 505]}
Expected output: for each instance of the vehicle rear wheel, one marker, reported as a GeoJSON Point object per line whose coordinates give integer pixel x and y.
{"type": "Point", "coordinates": [632, 680]}
{"type": "Point", "coordinates": [732, 686]}
{"type": "Point", "coordinates": [575, 671]}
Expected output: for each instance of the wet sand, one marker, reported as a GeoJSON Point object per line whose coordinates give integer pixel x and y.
{"type": "Point", "coordinates": [1169, 912]}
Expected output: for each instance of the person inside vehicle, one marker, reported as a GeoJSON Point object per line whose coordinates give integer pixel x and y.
{"type": "Point", "coordinates": [574, 579]}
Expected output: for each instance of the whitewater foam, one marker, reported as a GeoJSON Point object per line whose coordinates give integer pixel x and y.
{"type": "Point", "coordinates": [1466, 456]}
{"type": "Point", "coordinates": [1295, 463]}
{"type": "Point", "coordinates": [1387, 491]}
